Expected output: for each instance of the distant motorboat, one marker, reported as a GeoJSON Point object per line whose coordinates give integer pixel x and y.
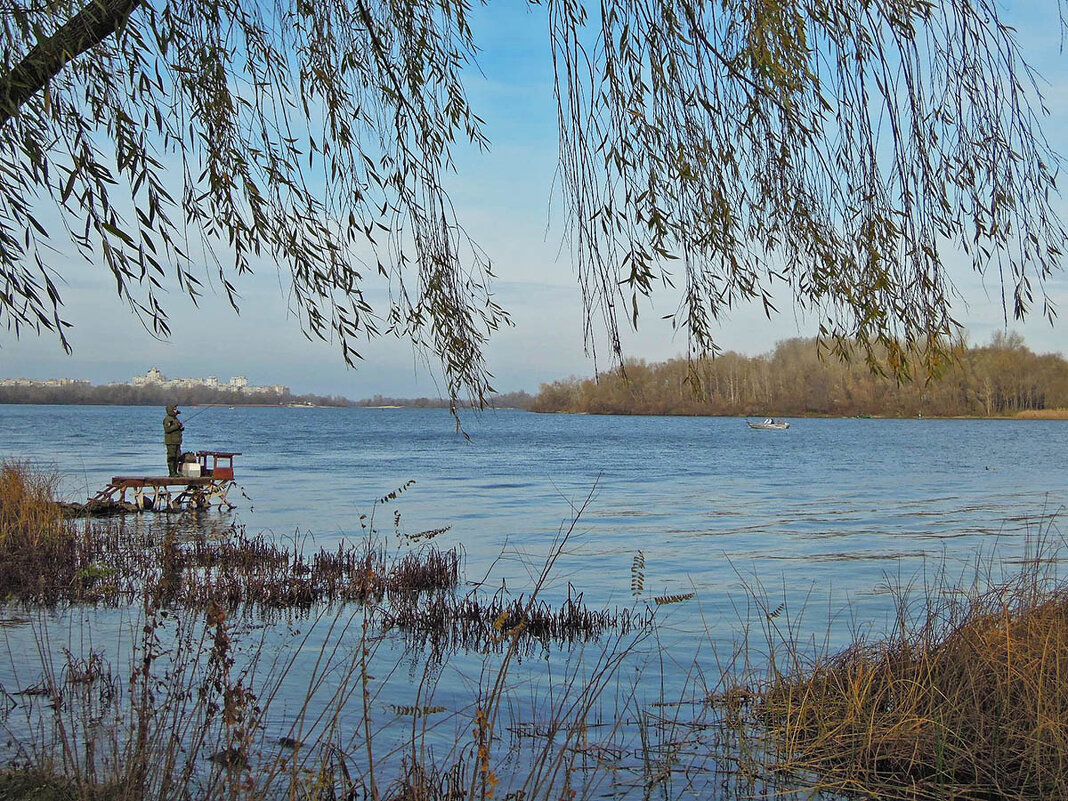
{"type": "Point", "coordinates": [768, 424]}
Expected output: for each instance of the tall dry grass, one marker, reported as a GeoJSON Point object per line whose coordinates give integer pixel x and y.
{"type": "Point", "coordinates": [967, 698]}
{"type": "Point", "coordinates": [29, 515]}
{"type": "Point", "coordinates": [36, 543]}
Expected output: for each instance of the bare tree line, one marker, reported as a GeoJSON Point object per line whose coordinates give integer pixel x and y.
{"type": "Point", "coordinates": [128, 395]}
{"type": "Point", "coordinates": [1002, 378]}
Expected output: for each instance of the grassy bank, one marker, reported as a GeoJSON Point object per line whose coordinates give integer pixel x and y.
{"type": "Point", "coordinates": [966, 698]}
{"type": "Point", "coordinates": [1044, 414]}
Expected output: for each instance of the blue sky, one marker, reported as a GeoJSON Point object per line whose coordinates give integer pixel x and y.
{"type": "Point", "coordinates": [504, 199]}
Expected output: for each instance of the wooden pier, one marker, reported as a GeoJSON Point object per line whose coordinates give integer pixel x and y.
{"type": "Point", "coordinates": [205, 481]}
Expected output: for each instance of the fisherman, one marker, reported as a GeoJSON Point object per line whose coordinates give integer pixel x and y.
{"type": "Point", "coordinates": [172, 438]}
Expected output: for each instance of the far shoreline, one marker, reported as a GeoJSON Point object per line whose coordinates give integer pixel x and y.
{"type": "Point", "coordinates": [1026, 415]}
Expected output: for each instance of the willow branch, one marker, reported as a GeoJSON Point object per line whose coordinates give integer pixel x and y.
{"type": "Point", "coordinates": [85, 30]}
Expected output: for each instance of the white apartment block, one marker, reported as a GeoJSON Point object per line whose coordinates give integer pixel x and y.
{"type": "Point", "coordinates": [237, 383]}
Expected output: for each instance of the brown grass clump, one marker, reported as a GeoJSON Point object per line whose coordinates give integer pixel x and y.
{"type": "Point", "coordinates": [975, 706]}
{"type": "Point", "coordinates": [29, 516]}
{"type": "Point", "coordinates": [36, 546]}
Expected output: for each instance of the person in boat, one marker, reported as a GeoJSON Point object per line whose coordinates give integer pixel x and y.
{"type": "Point", "coordinates": [172, 438]}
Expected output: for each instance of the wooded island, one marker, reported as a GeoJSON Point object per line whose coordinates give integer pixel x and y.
{"type": "Point", "coordinates": [1004, 378]}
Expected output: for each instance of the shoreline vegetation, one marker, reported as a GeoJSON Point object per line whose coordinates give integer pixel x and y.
{"type": "Point", "coordinates": [965, 697]}
{"type": "Point", "coordinates": [126, 395]}
{"type": "Point", "coordinates": [1003, 379]}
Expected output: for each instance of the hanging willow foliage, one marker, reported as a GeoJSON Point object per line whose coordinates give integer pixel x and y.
{"type": "Point", "coordinates": [312, 134]}
{"type": "Point", "coordinates": [840, 147]}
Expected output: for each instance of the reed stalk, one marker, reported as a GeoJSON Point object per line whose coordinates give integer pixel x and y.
{"type": "Point", "coordinates": [966, 697]}
{"type": "Point", "coordinates": [194, 714]}
{"type": "Point", "coordinates": [29, 515]}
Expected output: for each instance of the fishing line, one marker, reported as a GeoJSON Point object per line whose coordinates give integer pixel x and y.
{"type": "Point", "coordinates": [201, 411]}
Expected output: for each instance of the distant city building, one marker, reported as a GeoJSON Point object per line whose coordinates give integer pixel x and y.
{"type": "Point", "coordinates": [154, 378]}
{"type": "Point", "coordinates": [237, 383]}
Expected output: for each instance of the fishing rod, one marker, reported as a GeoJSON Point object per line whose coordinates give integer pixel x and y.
{"type": "Point", "coordinates": [202, 410]}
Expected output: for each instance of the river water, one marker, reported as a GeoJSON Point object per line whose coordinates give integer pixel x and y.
{"type": "Point", "coordinates": [825, 516]}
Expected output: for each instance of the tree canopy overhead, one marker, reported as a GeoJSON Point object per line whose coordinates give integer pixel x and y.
{"type": "Point", "coordinates": [842, 147]}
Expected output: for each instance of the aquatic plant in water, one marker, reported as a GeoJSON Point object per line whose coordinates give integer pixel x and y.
{"type": "Point", "coordinates": [206, 706]}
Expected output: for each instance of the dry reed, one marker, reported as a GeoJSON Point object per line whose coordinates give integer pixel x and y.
{"type": "Point", "coordinates": [29, 516]}
{"type": "Point", "coordinates": [36, 546]}
{"type": "Point", "coordinates": [189, 720]}
{"type": "Point", "coordinates": [967, 699]}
